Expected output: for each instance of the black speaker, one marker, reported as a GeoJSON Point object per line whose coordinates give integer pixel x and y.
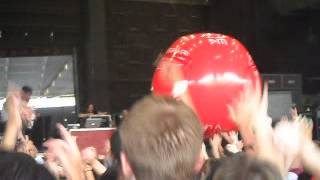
{"type": "Point", "coordinates": [283, 81]}
{"type": "Point", "coordinates": [273, 80]}
{"type": "Point", "coordinates": [292, 81]}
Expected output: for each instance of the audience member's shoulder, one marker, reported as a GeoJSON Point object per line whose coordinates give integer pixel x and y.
{"type": "Point", "coordinates": [209, 168]}
{"type": "Point", "coordinates": [110, 174]}
{"type": "Point", "coordinates": [14, 166]}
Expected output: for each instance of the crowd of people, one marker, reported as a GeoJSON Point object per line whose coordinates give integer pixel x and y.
{"type": "Point", "coordinates": [161, 139]}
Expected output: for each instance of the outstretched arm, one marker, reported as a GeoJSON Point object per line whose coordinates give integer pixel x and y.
{"type": "Point", "coordinates": [310, 158]}
{"type": "Point", "coordinates": [89, 156]}
{"type": "Point", "coordinates": [66, 152]}
{"type": "Point", "coordinates": [13, 125]}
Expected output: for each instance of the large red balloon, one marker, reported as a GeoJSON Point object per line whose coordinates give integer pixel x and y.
{"type": "Point", "coordinates": [215, 69]}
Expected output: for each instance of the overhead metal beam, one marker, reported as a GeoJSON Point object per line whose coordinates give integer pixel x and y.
{"type": "Point", "coordinates": [189, 2]}
{"type": "Point", "coordinates": [45, 87]}
{"type": "Point", "coordinates": [43, 70]}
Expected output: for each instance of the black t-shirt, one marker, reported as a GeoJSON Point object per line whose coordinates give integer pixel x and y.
{"type": "Point", "coordinates": [110, 174]}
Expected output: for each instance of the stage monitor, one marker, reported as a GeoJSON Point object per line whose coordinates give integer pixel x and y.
{"type": "Point", "coordinates": [280, 103]}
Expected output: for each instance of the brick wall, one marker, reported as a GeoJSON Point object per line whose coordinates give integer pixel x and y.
{"type": "Point", "coordinates": [136, 33]}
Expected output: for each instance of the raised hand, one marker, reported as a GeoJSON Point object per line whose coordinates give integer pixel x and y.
{"type": "Point", "coordinates": [215, 142]}
{"type": "Point", "coordinates": [245, 113]}
{"type": "Point", "coordinates": [246, 107]}
{"type": "Point", "coordinates": [66, 152]}
{"type": "Point", "coordinates": [294, 113]}
{"type": "Point", "coordinates": [292, 137]}
{"type": "Point", "coordinates": [89, 155]}
{"type": "Point", "coordinates": [14, 125]}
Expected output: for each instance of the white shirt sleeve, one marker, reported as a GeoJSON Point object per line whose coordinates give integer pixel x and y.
{"type": "Point", "coordinates": [292, 176]}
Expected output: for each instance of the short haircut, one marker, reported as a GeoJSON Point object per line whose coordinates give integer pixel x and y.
{"type": "Point", "coordinates": [245, 167]}
{"type": "Point", "coordinates": [27, 89]}
{"type": "Point", "coordinates": [162, 139]}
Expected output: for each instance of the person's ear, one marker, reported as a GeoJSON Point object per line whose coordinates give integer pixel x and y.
{"type": "Point", "coordinates": [125, 165]}
{"type": "Point", "coordinates": [199, 162]}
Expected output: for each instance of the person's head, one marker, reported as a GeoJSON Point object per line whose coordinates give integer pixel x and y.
{"type": "Point", "coordinates": [119, 117]}
{"type": "Point", "coordinates": [246, 167]}
{"type": "Point", "coordinates": [115, 144]}
{"type": "Point", "coordinates": [26, 93]}
{"type": "Point", "coordinates": [19, 166]}
{"type": "Point", "coordinates": [161, 139]}
{"type": "Point", "coordinates": [90, 108]}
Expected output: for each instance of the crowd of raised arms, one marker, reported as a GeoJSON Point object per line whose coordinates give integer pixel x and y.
{"type": "Point", "coordinates": [162, 139]}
